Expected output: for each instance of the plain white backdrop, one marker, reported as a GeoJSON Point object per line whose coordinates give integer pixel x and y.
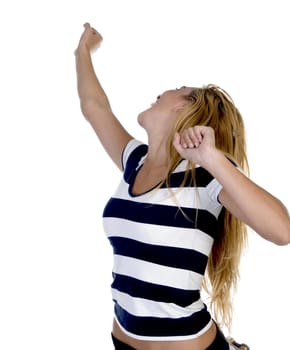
{"type": "Point", "coordinates": [55, 262]}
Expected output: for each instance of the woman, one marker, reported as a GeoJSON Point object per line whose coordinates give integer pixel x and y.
{"type": "Point", "coordinates": [181, 210]}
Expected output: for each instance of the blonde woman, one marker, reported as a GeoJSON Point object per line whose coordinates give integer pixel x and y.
{"type": "Point", "coordinates": [179, 213]}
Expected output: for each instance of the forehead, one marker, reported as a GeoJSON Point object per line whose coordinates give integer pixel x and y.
{"type": "Point", "coordinates": [188, 89]}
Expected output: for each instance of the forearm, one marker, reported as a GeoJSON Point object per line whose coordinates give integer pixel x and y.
{"type": "Point", "coordinates": [89, 88]}
{"type": "Point", "coordinates": [249, 202]}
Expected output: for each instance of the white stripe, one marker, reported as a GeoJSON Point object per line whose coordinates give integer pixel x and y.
{"type": "Point", "coordinates": [157, 274]}
{"type": "Point", "coordinates": [129, 148]}
{"type": "Point", "coordinates": [149, 308]}
{"type": "Point", "coordinates": [159, 235]}
{"type": "Point", "coordinates": [213, 190]}
{"type": "Point", "coordinates": [187, 197]}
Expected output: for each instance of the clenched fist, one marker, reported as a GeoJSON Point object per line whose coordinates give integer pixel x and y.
{"type": "Point", "coordinates": [90, 39]}
{"type": "Point", "coordinates": [195, 144]}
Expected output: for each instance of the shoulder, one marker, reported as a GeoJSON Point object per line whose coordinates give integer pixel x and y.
{"type": "Point", "coordinates": [132, 154]}
{"type": "Point", "coordinates": [134, 149]}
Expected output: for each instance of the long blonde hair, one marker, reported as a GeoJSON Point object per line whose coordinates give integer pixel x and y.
{"type": "Point", "coordinates": [212, 106]}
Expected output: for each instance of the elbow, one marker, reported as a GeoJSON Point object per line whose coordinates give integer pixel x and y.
{"type": "Point", "coordinates": [277, 232]}
{"type": "Point", "coordinates": [91, 108]}
{"type": "Point", "coordinates": [281, 242]}
{"type": "Point", "coordinates": [87, 108]}
{"type": "Point", "coordinates": [283, 238]}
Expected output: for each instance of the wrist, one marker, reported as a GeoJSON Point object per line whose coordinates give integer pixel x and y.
{"type": "Point", "coordinates": [82, 49]}
{"type": "Point", "coordinates": [212, 159]}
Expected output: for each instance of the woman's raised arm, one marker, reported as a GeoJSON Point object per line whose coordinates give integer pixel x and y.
{"type": "Point", "coordinates": [94, 102]}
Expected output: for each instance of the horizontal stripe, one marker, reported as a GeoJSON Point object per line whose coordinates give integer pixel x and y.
{"type": "Point", "coordinates": [157, 274]}
{"type": "Point", "coordinates": [179, 258]}
{"type": "Point", "coordinates": [138, 151]}
{"type": "Point", "coordinates": [187, 197]}
{"type": "Point", "coordinates": [202, 177]}
{"type": "Point", "coordinates": [161, 215]}
{"type": "Point", "coordinates": [149, 308]}
{"type": "Point", "coordinates": [176, 179]}
{"type": "Point", "coordinates": [155, 234]}
{"type": "Point", "coordinates": [150, 291]}
{"type": "Point", "coordinates": [163, 327]}
{"type": "Point", "coordinates": [167, 338]}
{"type": "Point", "coordinates": [132, 163]}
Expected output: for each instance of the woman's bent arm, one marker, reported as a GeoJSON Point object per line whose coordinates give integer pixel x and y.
{"type": "Point", "coordinates": [250, 203]}
{"type": "Point", "coordinates": [242, 197]}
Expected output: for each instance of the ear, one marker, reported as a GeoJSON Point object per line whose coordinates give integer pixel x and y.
{"type": "Point", "coordinates": [179, 106]}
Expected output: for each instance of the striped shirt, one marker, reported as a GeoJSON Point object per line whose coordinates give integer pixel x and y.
{"type": "Point", "coordinates": [161, 243]}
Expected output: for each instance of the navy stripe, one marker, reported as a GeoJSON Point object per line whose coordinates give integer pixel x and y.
{"type": "Point", "coordinates": [162, 327]}
{"type": "Point", "coordinates": [150, 291]}
{"type": "Point", "coordinates": [157, 214]}
{"type": "Point", "coordinates": [202, 178]}
{"type": "Point", "coordinates": [180, 258]}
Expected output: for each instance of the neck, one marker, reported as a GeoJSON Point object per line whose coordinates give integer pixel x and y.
{"type": "Point", "coordinates": [157, 153]}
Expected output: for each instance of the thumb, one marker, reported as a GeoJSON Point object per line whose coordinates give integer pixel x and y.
{"type": "Point", "coordinates": [87, 25]}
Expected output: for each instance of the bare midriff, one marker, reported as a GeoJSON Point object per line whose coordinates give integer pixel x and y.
{"type": "Point", "coordinates": [200, 343]}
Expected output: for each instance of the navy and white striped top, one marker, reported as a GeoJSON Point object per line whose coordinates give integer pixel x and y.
{"type": "Point", "coordinates": [161, 245]}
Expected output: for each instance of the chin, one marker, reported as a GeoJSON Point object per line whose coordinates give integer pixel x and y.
{"type": "Point", "coordinates": [141, 118]}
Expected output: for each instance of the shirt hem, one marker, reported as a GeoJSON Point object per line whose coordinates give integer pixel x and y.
{"type": "Point", "coordinates": [165, 338]}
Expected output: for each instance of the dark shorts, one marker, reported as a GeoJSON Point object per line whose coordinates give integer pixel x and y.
{"type": "Point", "coordinates": [219, 343]}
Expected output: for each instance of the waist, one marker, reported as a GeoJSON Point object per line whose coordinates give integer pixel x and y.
{"type": "Point", "coordinates": [202, 342]}
{"type": "Point", "coordinates": [163, 327]}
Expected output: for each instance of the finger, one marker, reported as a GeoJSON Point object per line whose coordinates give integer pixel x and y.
{"type": "Point", "coordinates": [195, 139]}
{"type": "Point", "coordinates": [189, 139]}
{"type": "Point", "coordinates": [184, 140]}
{"type": "Point", "coordinates": [176, 142]}
{"type": "Point", "coordinates": [98, 34]}
{"type": "Point", "coordinates": [198, 133]}
{"type": "Point", "coordinates": [87, 25]}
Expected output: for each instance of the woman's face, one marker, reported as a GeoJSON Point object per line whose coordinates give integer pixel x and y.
{"type": "Point", "coordinates": [173, 99]}
{"type": "Point", "coordinates": [166, 108]}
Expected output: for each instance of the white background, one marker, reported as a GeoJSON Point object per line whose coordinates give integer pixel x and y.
{"type": "Point", "coordinates": [55, 262]}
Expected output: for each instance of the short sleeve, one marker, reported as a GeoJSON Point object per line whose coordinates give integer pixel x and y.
{"type": "Point", "coordinates": [213, 189]}
{"type": "Point", "coordinates": [129, 148]}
